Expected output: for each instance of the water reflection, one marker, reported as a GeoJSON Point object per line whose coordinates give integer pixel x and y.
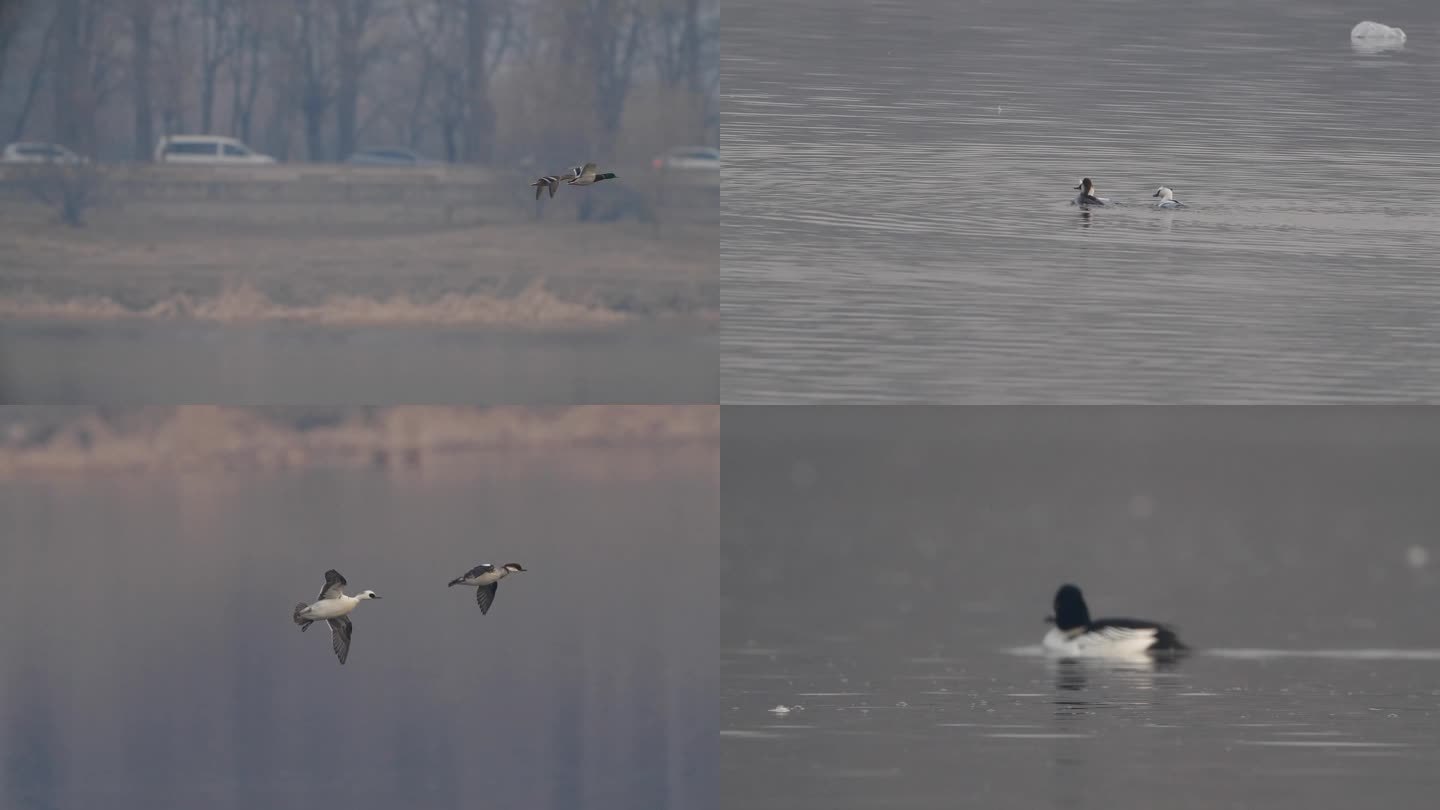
{"type": "Point", "coordinates": [1370, 47]}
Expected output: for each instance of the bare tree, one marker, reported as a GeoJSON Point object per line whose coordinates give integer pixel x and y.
{"type": "Point", "coordinates": [74, 107]}
{"type": "Point", "coordinates": [217, 21]}
{"type": "Point", "coordinates": [12, 17]}
{"type": "Point", "coordinates": [611, 42]}
{"type": "Point", "coordinates": [37, 75]}
{"type": "Point", "coordinates": [172, 66]}
{"type": "Point", "coordinates": [142, 18]}
{"type": "Point", "coordinates": [479, 112]}
{"type": "Point", "coordinates": [316, 91]}
{"type": "Point", "coordinates": [675, 43]}
{"type": "Point", "coordinates": [472, 78]}
{"type": "Point", "coordinates": [352, 17]}
{"type": "Point", "coordinates": [426, 19]}
{"type": "Point", "coordinates": [246, 66]}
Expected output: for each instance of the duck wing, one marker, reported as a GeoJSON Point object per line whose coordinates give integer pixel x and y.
{"type": "Point", "coordinates": [1126, 629]}
{"type": "Point", "coordinates": [334, 586]}
{"type": "Point", "coordinates": [485, 595]}
{"type": "Point", "coordinates": [340, 630]}
{"type": "Point", "coordinates": [482, 568]}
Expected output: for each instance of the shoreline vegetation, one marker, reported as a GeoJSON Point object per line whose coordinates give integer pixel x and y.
{"type": "Point", "coordinates": [369, 261]}
{"type": "Point", "coordinates": [76, 440]}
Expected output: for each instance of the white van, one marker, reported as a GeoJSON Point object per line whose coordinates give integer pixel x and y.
{"type": "Point", "coordinates": [210, 149]}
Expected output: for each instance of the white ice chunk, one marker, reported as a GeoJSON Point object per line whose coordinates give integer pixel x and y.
{"type": "Point", "coordinates": [1373, 37]}
{"type": "Point", "coordinates": [1374, 30]}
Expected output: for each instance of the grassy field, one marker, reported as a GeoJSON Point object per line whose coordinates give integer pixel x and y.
{"type": "Point", "coordinates": [288, 250]}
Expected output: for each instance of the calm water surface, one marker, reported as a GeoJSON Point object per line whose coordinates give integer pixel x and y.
{"type": "Point", "coordinates": [142, 362]}
{"type": "Point", "coordinates": [885, 573]}
{"type": "Point", "coordinates": [148, 658]}
{"type": "Point", "coordinates": [896, 218]}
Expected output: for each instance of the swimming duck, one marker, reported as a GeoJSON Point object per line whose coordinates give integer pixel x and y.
{"type": "Point", "coordinates": [1075, 634]}
{"type": "Point", "coordinates": [1167, 198]}
{"type": "Point", "coordinates": [1087, 194]}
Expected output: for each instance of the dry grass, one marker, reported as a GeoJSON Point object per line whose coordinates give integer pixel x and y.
{"type": "Point", "coordinates": [47, 442]}
{"type": "Point", "coordinates": [345, 264]}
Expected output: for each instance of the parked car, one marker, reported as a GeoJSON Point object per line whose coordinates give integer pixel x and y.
{"type": "Point", "coordinates": [208, 149]}
{"type": "Point", "coordinates": [32, 152]}
{"type": "Point", "coordinates": [688, 158]}
{"type": "Point", "coordinates": [389, 156]}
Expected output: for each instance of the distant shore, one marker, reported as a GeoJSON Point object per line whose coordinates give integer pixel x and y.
{"type": "Point", "coordinates": [70, 440]}
{"type": "Point", "coordinates": [368, 261]}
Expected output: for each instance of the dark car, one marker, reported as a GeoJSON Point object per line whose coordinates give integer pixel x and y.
{"type": "Point", "coordinates": [389, 156]}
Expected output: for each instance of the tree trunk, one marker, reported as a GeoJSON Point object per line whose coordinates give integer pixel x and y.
{"type": "Point", "coordinates": [692, 44]}
{"type": "Point", "coordinates": [11, 18]}
{"type": "Point", "coordinates": [207, 98]}
{"type": "Point", "coordinates": [245, 102]}
{"type": "Point", "coordinates": [209, 25]}
{"type": "Point", "coordinates": [349, 26]}
{"type": "Point", "coordinates": [613, 46]}
{"type": "Point", "coordinates": [70, 79]}
{"type": "Point", "coordinates": [32, 89]}
{"type": "Point", "coordinates": [314, 129]}
{"type": "Point", "coordinates": [141, 19]}
{"type": "Point", "coordinates": [315, 95]}
{"type": "Point", "coordinates": [479, 134]}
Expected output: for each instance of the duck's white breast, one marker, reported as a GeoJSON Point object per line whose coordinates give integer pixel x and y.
{"type": "Point", "coordinates": [1110, 642]}
{"type": "Point", "coordinates": [331, 608]}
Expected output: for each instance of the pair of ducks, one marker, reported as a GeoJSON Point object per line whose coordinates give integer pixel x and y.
{"type": "Point", "coordinates": [580, 176]}
{"type": "Point", "coordinates": [1087, 196]}
{"type": "Point", "coordinates": [334, 607]}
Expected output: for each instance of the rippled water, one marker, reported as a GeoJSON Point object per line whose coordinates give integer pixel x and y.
{"type": "Point", "coordinates": [896, 222]}
{"type": "Point", "coordinates": [885, 572]}
{"type": "Point", "coordinates": [992, 729]}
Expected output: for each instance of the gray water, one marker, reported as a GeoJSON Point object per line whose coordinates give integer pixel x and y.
{"type": "Point", "coordinates": [148, 658]}
{"type": "Point", "coordinates": [143, 362]}
{"type": "Point", "coordinates": [896, 218]}
{"type": "Point", "coordinates": [885, 573]}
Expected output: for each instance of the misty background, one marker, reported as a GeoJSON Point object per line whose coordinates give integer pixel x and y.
{"type": "Point", "coordinates": [315, 280]}
{"type": "Point", "coordinates": [478, 81]}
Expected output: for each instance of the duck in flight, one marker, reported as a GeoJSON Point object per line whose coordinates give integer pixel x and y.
{"type": "Point", "coordinates": [1076, 634]}
{"type": "Point", "coordinates": [334, 607]}
{"type": "Point", "coordinates": [585, 176]}
{"type": "Point", "coordinates": [485, 578]}
{"type": "Point", "coordinates": [552, 181]}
